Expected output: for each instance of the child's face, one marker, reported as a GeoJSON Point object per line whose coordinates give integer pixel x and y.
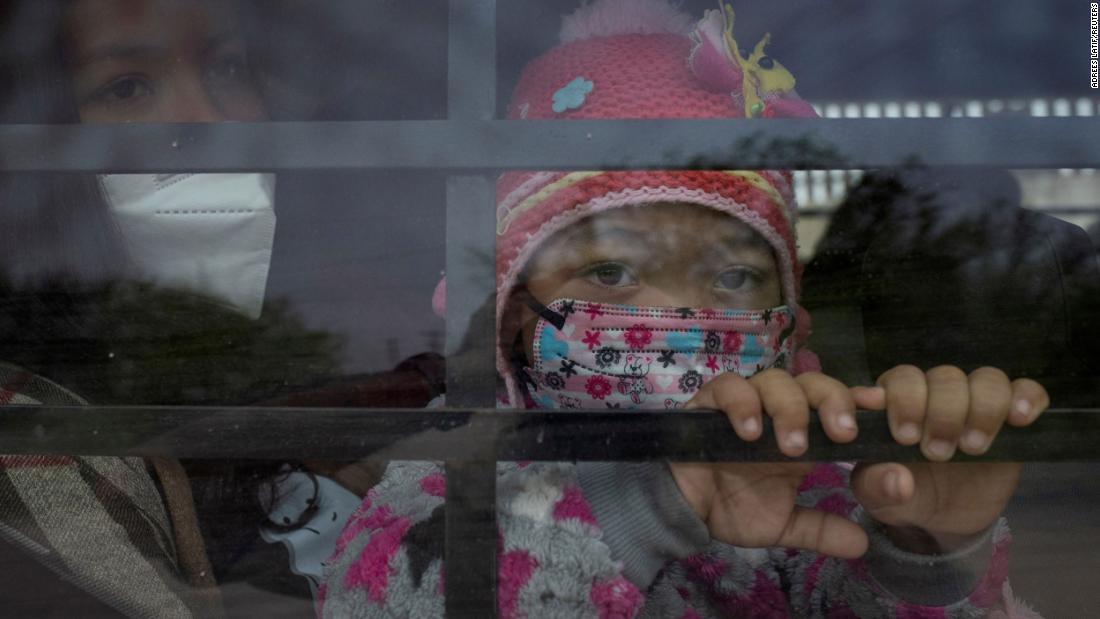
{"type": "Point", "coordinates": [670, 255]}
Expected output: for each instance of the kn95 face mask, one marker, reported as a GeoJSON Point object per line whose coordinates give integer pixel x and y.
{"type": "Point", "coordinates": [210, 234]}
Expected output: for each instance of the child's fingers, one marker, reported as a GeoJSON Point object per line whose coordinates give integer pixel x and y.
{"type": "Point", "coordinates": [824, 533]}
{"type": "Point", "coordinates": [990, 399]}
{"type": "Point", "coordinates": [834, 405]}
{"type": "Point", "coordinates": [785, 403]}
{"type": "Point", "coordinates": [735, 397]}
{"type": "Point", "coordinates": [870, 398]}
{"type": "Point", "coordinates": [906, 394]}
{"type": "Point", "coordinates": [1029, 400]}
{"type": "Point", "coordinates": [883, 486]}
{"type": "Point", "coordinates": [946, 413]}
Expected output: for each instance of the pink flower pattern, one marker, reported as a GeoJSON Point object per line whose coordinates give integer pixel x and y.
{"type": "Point", "coordinates": [598, 387]}
{"type": "Point", "coordinates": [712, 364]}
{"type": "Point", "coordinates": [731, 342]}
{"type": "Point", "coordinates": [592, 338]}
{"type": "Point", "coordinates": [639, 336]}
{"type": "Point", "coordinates": [594, 310]}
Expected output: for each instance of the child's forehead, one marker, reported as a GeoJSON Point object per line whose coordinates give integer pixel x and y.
{"type": "Point", "coordinates": [661, 220]}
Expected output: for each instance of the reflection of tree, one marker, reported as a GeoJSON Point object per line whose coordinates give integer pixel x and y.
{"type": "Point", "coordinates": [759, 151]}
{"type": "Point", "coordinates": [123, 343]}
{"type": "Point", "coordinates": [942, 266]}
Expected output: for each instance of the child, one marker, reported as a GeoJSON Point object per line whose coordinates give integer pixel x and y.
{"type": "Point", "coordinates": [663, 289]}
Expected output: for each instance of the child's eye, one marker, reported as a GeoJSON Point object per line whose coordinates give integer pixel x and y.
{"type": "Point", "coordinates": [123, 90]}
{"type": "Point", "coordinates": [736, 278]}
{"type": "Point", "coordinates": [611, 274]}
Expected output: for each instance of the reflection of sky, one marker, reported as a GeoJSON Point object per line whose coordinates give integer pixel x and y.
{"type": "Point", "coordinates": [870, 49]}
{"type": "Point", "coordinates": [358, 256]}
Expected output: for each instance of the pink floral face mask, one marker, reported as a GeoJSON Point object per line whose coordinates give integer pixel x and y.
{"type": "Point", "coordinates": [592, 355]}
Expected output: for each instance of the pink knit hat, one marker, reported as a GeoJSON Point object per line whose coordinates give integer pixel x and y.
{"type": "Point", "coordinates": [645, 59]}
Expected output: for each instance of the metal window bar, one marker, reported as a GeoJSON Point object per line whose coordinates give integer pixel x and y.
{"type": "Point", "coordinates": [453, 434]}
{"type": "Point", "coordinates": [484, 146]}
{"type": "Point", "coordinates": [471, 436]}
{"type": "Point", "coordinates": [469, 546]}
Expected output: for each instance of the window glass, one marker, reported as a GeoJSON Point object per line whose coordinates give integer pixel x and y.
{"type": "Point", "coordinates": [608, 278]}
{"type": "Point", "coordinates": [219, 288]}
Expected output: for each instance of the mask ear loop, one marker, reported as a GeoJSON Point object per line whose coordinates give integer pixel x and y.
{"type": "Point", "coordinates": [519, 358]}
{"type": "Point", "coordinates": [519, 364]}
{"type": "Point", "coordinates": [546, 313]}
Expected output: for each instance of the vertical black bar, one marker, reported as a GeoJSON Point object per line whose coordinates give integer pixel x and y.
{"type": "Point", "coordinates": [470, 545]}
{"type": "Point", "coordinates": [469, 570]}
{"type": "Point", "coordinates": [471, 292]}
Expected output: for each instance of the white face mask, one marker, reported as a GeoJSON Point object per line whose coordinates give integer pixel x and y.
{"type": "Point", "coordinates": [207, 233]}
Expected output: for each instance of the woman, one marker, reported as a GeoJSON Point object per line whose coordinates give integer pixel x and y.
{"type": "Point", "coordinates": [101, 303]}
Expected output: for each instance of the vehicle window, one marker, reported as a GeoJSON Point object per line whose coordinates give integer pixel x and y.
{"type": "Point", "coordinates": [631, 308]}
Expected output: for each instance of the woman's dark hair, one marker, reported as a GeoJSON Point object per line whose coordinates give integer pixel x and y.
{"type": "Point", "coordinates": [52, 224]}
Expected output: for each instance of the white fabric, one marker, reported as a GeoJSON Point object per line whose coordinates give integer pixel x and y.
{"type": "Point", "coordinates": [311, 542]}
{"type": "Point", "coordinates": [210, 234]}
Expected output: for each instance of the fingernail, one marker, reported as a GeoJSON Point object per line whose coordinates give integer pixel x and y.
{"type": "Point", "coordinates": [796, 439]}
{"type": "Point", "coordinates": [975, 440]}
{"type": "Point", "coordinates": [908, 433]}
{"type": "Point", "coordinates": [846, 422]}
{"type": "Point", "coordinates": [893, 485]}
{"type": "Point", "coordinates": [750, 426]}
{"type": "Point", "coordinates": [1022, 410]}
{"type": "Point", "coordinates": [941, 449]}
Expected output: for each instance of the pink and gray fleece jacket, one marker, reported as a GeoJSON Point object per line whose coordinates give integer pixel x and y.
{"type": "Point", "coordinates": [617, 540]}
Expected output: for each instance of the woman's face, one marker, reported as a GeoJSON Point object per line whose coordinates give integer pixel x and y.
{"type": "Point", "coordinates": [159, 61]}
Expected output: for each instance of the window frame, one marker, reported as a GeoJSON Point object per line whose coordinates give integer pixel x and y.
{"type": "Point", "coordinates": [470, 436]}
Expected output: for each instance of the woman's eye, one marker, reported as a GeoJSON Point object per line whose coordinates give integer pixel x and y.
{"type": "Point", "coordinates": [123, 90]}
{"type": "Point", "coordinates": [734, 279]}
{"type": "Point", "coordinates": [611, 274]}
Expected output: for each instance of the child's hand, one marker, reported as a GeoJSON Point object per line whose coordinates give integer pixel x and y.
{"type": "Point", "coordinates": [753, 504]}
{"type": "Point", "coordinates": [944, 410]}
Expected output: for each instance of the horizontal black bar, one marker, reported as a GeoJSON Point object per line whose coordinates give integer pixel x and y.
{"type": "Point", "coordinates": [1067, 435]}
{"type": "Point", "coordinates": [470, 145]}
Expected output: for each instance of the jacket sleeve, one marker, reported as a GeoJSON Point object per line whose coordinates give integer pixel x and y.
{"type": "Point", "coordinates": [653, 537]}
{"type": "Point", "coordinates": [887, 581]}
{"type": "Point", "coordinates": [551, 561]}
{"type": "Point", "coordinates": [386, 561]}
{"type": "Point", "coordinates": [644, 519]}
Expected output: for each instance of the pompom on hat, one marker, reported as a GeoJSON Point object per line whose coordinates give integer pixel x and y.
{"type": "Point", "coordinates": [635, 59]}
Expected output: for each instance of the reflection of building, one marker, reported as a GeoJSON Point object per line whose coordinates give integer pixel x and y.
{"type": "Point", "coordinates": [1070, 194]}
